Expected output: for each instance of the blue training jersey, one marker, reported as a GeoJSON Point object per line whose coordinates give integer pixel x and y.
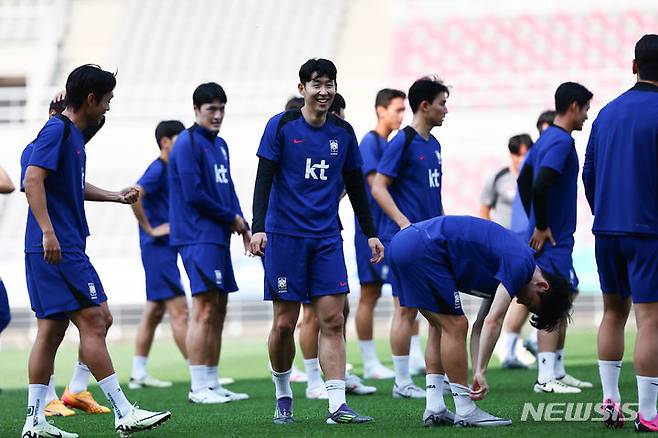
{"type": "Point", "coordinates": [307, 187]}
{"type": "Point", "coordinates": [555, 149]}
{"type": "Point", "coordinates": [481, 253]}
{"type": "Point", "coordinates": [202, 199]}
{"type": "Point", "coordinates": [156, 201]}
{"type": "Point", "coordinates": [372, 148]}
{"type": "Point", "coordinates": [416, 170]}
{"type": "Point", "coordinates": [65, 160]}
{"type": "Point", "coordinates": [621, 164]}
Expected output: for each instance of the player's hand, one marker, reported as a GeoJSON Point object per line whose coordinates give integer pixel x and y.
{"type": "Point", "coordinates": [377, 250]}
{"type": "Point", "coordinates": [160, 230]}
{"type": "Point", "coordinates": [61, 95]}
{"type": "Point", "coordinates": [404, 223]}
{"type": "Point", "coordinates": [539, 238]}
{"type": "Point", "coordinates": [258, 244]}
{"type": "Point", "coordinates": [129, 195]}
{"type": "Point", "coordinates": [246, 242]}
{"type": "Point", "coordinates": [479, 388]}
{"type": "Point", "coordinates": [239, 225]}
{"type": "Point", "coordinates": [52, 252]}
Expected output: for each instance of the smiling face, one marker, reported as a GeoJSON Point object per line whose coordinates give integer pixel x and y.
{"type": "Point", "coordinates": [579, 116]}
{"type": "Point", "coordinates": [318, 93]}
{"type": "Point", "coordinates": [210, 115]}
{"type": "Point", "coordinates": [96, 109]}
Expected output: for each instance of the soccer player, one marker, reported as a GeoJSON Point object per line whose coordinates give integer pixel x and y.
{"type": "Point", "coordinates": [548, 190]}
{"type": "Point", "coordinates": [203, 213]}
{"type": "Point", "coordinates": [498, 195]}
{"type": "Point", "coordinates": [435, 259]}
{"type": "Point", "coordinates": [306, 158]}
{"type": "Point", "coordinates": [61, 281]}
{"type": "Point", "coordinates": [619, 175]}
{"type": "Point", "coordinates": [389, 108]}
{"type": "Point", "coordinates": [407, 187]}
{"type": "Point", "coordinates": [164, 290]}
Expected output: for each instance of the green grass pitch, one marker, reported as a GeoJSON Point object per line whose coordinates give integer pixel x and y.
{"type": "Point", "coordinates": [247, 362]}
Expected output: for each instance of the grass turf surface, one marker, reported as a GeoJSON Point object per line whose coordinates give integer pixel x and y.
{"type": "Point", "coordinates": [247, 362]}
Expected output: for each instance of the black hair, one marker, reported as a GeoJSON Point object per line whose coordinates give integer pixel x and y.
{"type": "Point", "coordinates": [85, 80]}
{"type": "Point", "coordinates": [425, 89]}
{"type": "Point", "coordinates": [294, 103]}
{"type": "Point", "coordinates": [516, 141]}
{"type": "Point", "coordinates": [555, 303]}
{"type": "Point", "coordinates": [568, 93]}
{"type": "Point", "coordinates": [208, 93]}
{"type": "Point", "coordinates": [338, 104]}
{"type": "Point", "coordinates": [646, 57]}
{"type": "Point", "coordinates": [58, 106]}
{"type": "Point", "coordinates": [168, 129]}
{"type": "Point", "coordinates": [547, 116]}
{"type": "Point", "coordinates": [386, 96]}
{"type": "Point", "coordinates": [320, 66]}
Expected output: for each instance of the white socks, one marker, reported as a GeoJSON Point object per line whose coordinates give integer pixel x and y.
{"type": "Point", "coordinates": [36, 403]}
{"type": "Point", "coordinates": [212, 377]}
{"type": "Point", "coordinates": [559, 370]}
{"type": "Point", "coordinates": [401, 367]}
{"type": "Point", "coordinates": [116, 397]}
{"type": "Point", "coordinates": [463, 403]}
{"type": "Point", "coordinates": [369, 353]}
{"type": "Point", "coordinates": [609, 371]}
{"type": "Point", "coordinates": [336, 391]}
{"type": "Point", "coordinates": [139, 367]}
{"type": "Point", "coordinates": [647, 391]}
{"type": "Point", "coordinates": [51, 394]}
{"type": "Point", "coordinates": [414, 348]}
{"type": "Point", "coordinates": [282, 383]}
{"type": "Point", "coordinates": [312, 368]}
{"type": "Point", "coordinates": [434, 393]}
{"type": "Point", "coordinates": [546, 367]}
{"type": "Point", "coordinates": [198, 377]}
{"type": "Point", "coordinates": [510, 345]}
{"type": "Point", "coordinates": [80, 378]}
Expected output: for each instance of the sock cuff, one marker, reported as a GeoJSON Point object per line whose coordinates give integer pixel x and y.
{"type": "Point", "coordinates": [280, 373]}
{"type": "Point", "coordinates": [311, 361]}
{"type": "Point", "coordinates": [334, 384]}
{"type": "Point", "coordinates": [107, 379]}
{"type": "Point", "coordinates": [647, 379]}
{"type": "Point", "coordinates": [615, 363]}
{"type": "Point", "coordinates": [406, 356]}
{"type": "Point", "coordinates": [83, 366]}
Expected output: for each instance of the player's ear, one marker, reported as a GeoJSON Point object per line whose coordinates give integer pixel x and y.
{"type": "Point", "coordinates": [635, 69]}
{"type": "Point", "coordinates": [91, 99]}
{"type": "Point", "coordinates": [300, 88]}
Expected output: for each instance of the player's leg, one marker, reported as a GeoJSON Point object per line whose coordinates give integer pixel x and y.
{"type": "Point", "coordinates": [153, 313]}
{"type": "Point", "coordinates": [281, 349]}
{"type": "Point", "coordinates": [560, 372]}
{"type": "Point", "coordinates": [401, 332]}
{"type": "Point", "coordinates": [416, 355]}
{"type": "Point", "coordinates": [646, 366]}
{"type": "Point", "coordinates": [364, 319]}
{"type": "Point", "coordinates": [353, 383]}
{"type": "Point", "coordinates": [516, 316]}
{"type": "Point", "coordinates": [436, 412]}
{"type": "Point", "coordinates": [178, 318]}
{"type": "Point", "coordinates": [308, 342]}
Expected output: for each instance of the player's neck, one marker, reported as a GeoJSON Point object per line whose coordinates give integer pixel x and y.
{"type": "Point", "coordinates": [164, 156]}
{"type": "Point", "coordinates": [564, 123]}
{"type": "Point", "coordinates": [76, 118]}
{"type": "Point", "coordinates": [644, 81]}
{"type": "Point", "coordinates": [316, 119]}
{"type": "Point", "coordinates": [382, 130]}
{"type": "Point", "coordinates": [421, 126]}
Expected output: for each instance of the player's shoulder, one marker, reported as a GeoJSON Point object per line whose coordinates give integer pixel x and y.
{"type": "Point", "coordinates": [404, 137]}
{"type": "Point", "coordinates": [500, 173]}
{"type": "Point", "coordinates": [278, 121]}
{"type": "Point", "coordinates": [157, 166]}
{"type": "Point", "coordinates": [369, 139]}
{"type": "Point", "coordinates": [341, 124]}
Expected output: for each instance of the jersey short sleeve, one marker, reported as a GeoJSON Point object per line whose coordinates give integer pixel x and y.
{"type": "Point", "coordinates": [47, 147]}
{"type": "Point", "coordinates": [392, 157]}
{"type": "Point", "coordinates": [353, 157]}
{"type": "Point", "coordinates": [152, 178]}
{"type": "Point", "coordinates": [369, 153]}
{"type": "Point", "coordinates": [515, 271]}
{"type": "Point", "coordinates": [270, 146]}
{"type": "Point", "coordinates": [556, 156]}
{"type": "Point", "coordinates": [488, 196]}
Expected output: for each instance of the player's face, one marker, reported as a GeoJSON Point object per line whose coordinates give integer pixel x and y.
{"type": "Point", "coordinates": [437, 111]}
{"type": "Point", "coordinates": [580, 116]}
{"type": "Point", "coordinates": [318, 93]}
{"type": "Point", "coordinates": [393, 114]}
{"type": "Point", "coordinates": [98, 108]}
{"type": "Point", "coordinates": [210, 115]}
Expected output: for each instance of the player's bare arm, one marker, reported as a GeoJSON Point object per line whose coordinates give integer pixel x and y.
{"type": "Point", "coordinates": [129, 195]}
{"type": "Point", "coordinates": [36, 199]}
{"type": "Point", "coordinates": [140, 215]}
{"type": "Point", "coordinates": [385, 200]}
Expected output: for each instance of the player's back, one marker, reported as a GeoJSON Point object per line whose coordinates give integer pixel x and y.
{"type": "Point", "coordinates": [623, 150]}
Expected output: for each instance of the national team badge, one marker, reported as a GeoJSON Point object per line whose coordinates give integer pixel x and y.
{"type": "Point", "coordinates": [333, 147]}
{"type": "Point", "coordinates": [282, 284]}
{"type": "Point", "coordinates": [218, 277]}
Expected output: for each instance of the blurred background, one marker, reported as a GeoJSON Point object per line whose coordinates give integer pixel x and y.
{"type": "Point", "coordinates": [502, 59]}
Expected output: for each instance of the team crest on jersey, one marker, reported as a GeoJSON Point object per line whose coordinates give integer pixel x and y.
{"type": "Point", "coordinates": [458, 301]}
{"type": "Point", "coordinates": [333, 147]}
{"type": "Point", "coordinates": [218, 277]}
{"type": "Point", "coordinates": [92, 291]}
{"type": "Point", "coordinates": [438, 156]}
{"type": "Point", "coordinates": [282, 284]}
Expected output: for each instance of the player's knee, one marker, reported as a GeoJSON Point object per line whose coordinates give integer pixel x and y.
{"type": "Point", "coordinates": [108, 321]}
{"type": "Point", "coordinates": [332, 323]}
{"type": "Point", "coordinates": [408, 313]}
{"type": "Point", "coordinates": [284, 327]}
{"type": "Point", "coordinates": [455, 325]}
{"type": "Point", "coordinates": [157, 313]}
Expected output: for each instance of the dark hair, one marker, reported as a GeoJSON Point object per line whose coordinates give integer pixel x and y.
{"type": "Point", "coordinates": [321, 66]}
{"type": "Point", "coordinates": [547, 116]}
{"type": "Point", "coordinates": [555, 303]}
{"type": "Point", "coordinates": [168, 129]}
{"type": "Point", "coordinates": [208, 93]}
{"type": "Point", "coordinates": [386, 96]}
{"type": "Point", "coordinates": [338, 104]}
{"type": "Point", "coordinates": [425, 89]}
{"type": "Point", "coordinates": [568, 93]}
{"type": "Point", "coordinates": [85, 80]}
{"type": "Point", "coordinates": [646, 57]}
{"type": "Point", "coordinates": [516, 141]}
{"type": "Point", "coordinates": [294, 103]}
{"type": "Point", "coordinates": [58, 106]}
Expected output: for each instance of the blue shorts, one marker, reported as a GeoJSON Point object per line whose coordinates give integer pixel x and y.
{"type": "Point", "coordinates": [423, 276]}
{"type": "Point", "coordinates": [208, 267]}
{"type": "Point", "coordinates": [557, 261]}
{"type": "Point", "coordinates": [58, 289]}
{"type": "Point", "coordinates": [302, 268]}
{"type": "Point", "coordinates": [5, 315]}
{"type": "Point", "coordinates": [160, 262]}
{"type": "Point", "coordinates": [628, 266]}
{"type": "Point", "coordinates": [369, 273]}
